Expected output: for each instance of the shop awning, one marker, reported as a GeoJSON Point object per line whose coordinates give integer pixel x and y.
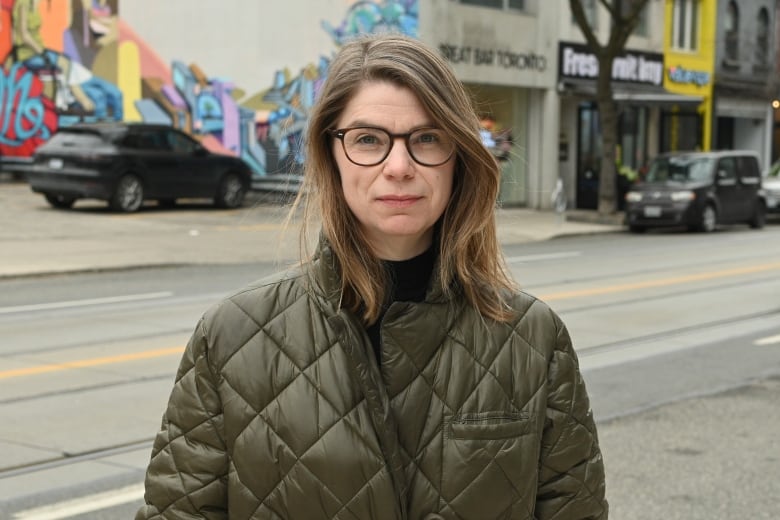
{"type": "Point", "coordinates": [636, 94]}
{"type": "Point", "coordinates": [656, 98]}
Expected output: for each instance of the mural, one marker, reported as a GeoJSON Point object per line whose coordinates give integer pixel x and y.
{"type": "Point", "coordinates": [56, 58]}
{"type": "Point", "coordinates": [65, 61]}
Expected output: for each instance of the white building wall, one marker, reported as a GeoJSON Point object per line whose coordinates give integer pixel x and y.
{"type": "Point", "coordinates": [244, 40]}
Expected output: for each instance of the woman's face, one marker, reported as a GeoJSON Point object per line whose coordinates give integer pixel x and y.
{"type": "Point", "coordinates": [397, 201]}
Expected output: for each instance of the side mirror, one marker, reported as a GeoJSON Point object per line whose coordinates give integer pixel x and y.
{"type": "Point", "coordinates": [200, 151]}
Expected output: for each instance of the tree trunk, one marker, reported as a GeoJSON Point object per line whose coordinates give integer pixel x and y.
{"type": "Point", "coordinates": [608, 119]}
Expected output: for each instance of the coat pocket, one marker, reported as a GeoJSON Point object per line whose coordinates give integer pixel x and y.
{"type": "Point", "coordinates": [490, 463]}
{"type": "Point", "coordinates": [488, 425]}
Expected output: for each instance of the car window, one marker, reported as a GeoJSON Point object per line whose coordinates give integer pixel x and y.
{"type": "Point", "coordinates": [75, 139]}
{"type": "Point", "coordinates": [748, 166]}
{"type": "Point", "coordinates": [145, 140]}
{"type": "Point", "coordinates": [727, 168]}
{"type": "Point", "coordinates": [680, 169]}
{"type": "Point", "coordinates": [180, 143]}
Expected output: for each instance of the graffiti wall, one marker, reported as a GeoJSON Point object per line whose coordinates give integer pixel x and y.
{"type": "Point", "coordinates": [65, 61]}
{"type": "Point", "coordinates": [58, 66]}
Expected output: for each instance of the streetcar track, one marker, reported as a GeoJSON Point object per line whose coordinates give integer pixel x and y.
{"type": "Point", "coordinates": [67, 459]}
{"type": "Point", "coordinates": [623, 344]}
{"type": "Point", "coordinates": [88, 388]}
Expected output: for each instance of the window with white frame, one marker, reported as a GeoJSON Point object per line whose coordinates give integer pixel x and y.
{"type": "Point", "coordinates": [591, 13]}
{"type": "Point", "coordinates": [731, 30]}
{"type": "Point", "coordinates": [762, 38]}
{"type": "Point", "coordinates": [642, 25]}
{"type": "Point", "coordinates": [685, 25]}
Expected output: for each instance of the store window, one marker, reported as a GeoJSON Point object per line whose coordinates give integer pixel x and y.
{"type": "Point", "coordinates": [498, 4]}
{"type": "Point", "coordinates": [685, 25]}
{"type": "Point", "coordinates": [731, 29]}
{"type": "Point", "coordinates": [681, 130]}
{"type": "Point", "coordinates": [762, 39]}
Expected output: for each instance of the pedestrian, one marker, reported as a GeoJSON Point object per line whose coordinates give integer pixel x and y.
{"type": "Point", "coordinates": [397, 373]}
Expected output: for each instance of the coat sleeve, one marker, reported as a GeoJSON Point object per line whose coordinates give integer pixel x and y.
{"type": "Point", "coordinates": [571, 469]}
{"type": "Point", "coordinates": [187, 475]}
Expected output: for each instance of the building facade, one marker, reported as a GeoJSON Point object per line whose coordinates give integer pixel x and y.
{"type": "Point", "coordinates": [689, 50]}
{"type": "Point", "coordinates": [745, 76]}
{"type": "Point", "coordinates": [638, 87]}
{"type": "Point", "coordinates": [241, 76]}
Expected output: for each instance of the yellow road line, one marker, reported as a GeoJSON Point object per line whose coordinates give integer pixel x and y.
{"type": "Point", "coordinates": [663, 282]}
{"type": "Point", "coordinates": [84, 363]}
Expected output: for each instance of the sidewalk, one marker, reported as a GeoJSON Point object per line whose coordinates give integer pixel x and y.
{"type": "Point", "coordinates": [37, 239]}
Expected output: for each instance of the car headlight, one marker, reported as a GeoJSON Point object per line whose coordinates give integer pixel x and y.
{"type": "Point", "coordinates": [633, 196]}
{"type": "Point", "coordinates": [678, 196]}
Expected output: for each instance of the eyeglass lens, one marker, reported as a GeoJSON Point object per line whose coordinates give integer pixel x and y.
{"type": "Point", "coordinates": [370, 146]}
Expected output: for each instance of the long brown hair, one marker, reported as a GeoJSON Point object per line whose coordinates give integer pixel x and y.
{"type": "Point", "coordinates": [469, 254]}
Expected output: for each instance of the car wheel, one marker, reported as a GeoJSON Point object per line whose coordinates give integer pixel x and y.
{"type": "Point", "coordinates": [60, 201]}
{"type": "Point", "coordinates": [758, 219]}
{"type": "Point", "coordinates": [129, 194]}
{"type": "Point", "coordinates": [230, 192]}
{"type": "Point", "coordinates": [708, 219]}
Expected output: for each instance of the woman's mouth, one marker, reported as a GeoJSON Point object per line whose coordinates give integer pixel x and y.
{"type": "Point", "coordinates": [399, 201]}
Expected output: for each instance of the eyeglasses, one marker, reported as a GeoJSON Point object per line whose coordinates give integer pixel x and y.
{"type": "Point", "coordinates": [369, 146]}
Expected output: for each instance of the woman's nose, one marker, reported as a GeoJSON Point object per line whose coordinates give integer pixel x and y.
{"type": "Point", "coordinates": [399, 161]}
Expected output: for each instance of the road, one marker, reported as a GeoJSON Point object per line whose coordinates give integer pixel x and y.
{"type": "Point", "coordinates": [678, 335]}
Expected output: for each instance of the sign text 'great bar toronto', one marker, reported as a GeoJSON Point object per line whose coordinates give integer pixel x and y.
{"type": "Point", "coordinates": [493, 57]}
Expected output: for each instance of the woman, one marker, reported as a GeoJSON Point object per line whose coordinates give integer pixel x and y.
{"type": "Point", "coordinates": [398, 373]}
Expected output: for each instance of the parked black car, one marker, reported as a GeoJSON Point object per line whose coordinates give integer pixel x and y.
{"type": "Point", "coordinates": [699, 190]}
{"type": "Point", "coordinates": [127, 163]}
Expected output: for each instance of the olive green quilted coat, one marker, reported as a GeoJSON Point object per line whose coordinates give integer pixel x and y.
{"type": "Point", "coordinates": [279, 411]}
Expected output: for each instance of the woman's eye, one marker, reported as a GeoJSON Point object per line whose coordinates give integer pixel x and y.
{"type": "Point", "coordinates": [427, 138]}
{"type": "Point", "coordinates": [367, 139]}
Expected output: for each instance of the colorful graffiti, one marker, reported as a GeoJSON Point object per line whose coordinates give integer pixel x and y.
{"type": "Point", "coordinates": [55, 69]}
{"type": "Point", "coordinates": [98, 68]}
{"type": "Point", "coordinates": [366, 17]}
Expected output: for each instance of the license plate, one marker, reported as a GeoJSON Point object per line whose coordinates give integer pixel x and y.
{"type": "Point", "coordinates": [55, 164]}
{"type": "Point", "coordinates": [652, 211]}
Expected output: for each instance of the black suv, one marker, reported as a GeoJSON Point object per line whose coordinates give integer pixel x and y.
{"type": "Point", "coordinates": [698, 190]}
{"type": "Point", "coordinates": [127, 163]}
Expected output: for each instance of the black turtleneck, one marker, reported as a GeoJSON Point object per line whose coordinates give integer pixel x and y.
{"type": "Point", "coordinates": [410, 279]}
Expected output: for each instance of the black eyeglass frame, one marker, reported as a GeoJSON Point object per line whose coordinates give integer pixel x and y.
{"type": "Point", "coordinates": [339, 134]}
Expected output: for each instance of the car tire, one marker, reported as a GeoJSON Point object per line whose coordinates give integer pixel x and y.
{"type": "Point", "coordinates": [758, 219]}
{"type": "Point", "coordinates": [708, 220]}
{"type": "Point", "coordinates": [230, 192]}
{"type": "Point", "coordinates": [128, 195]}
{"type": "Point", "coordinates": [60, 201]}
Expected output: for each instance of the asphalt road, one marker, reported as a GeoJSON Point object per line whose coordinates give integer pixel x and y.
{"type": "Point", "coordinates": [678, 336]}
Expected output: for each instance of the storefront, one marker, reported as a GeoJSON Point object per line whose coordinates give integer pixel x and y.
{"type": "Point", "coordinates": [687, 125]}
{"type": "Point", "coordinates": [511, 77]}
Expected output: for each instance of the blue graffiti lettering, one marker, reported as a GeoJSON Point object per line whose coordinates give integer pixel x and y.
{"type": "Point", "coordinates": [20, 112]}
{"type": "Point", "coordinates": [680, 75]}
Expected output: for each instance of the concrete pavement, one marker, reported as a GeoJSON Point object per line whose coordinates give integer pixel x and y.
{"type": "Point", "coordinates": [37, 239]}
